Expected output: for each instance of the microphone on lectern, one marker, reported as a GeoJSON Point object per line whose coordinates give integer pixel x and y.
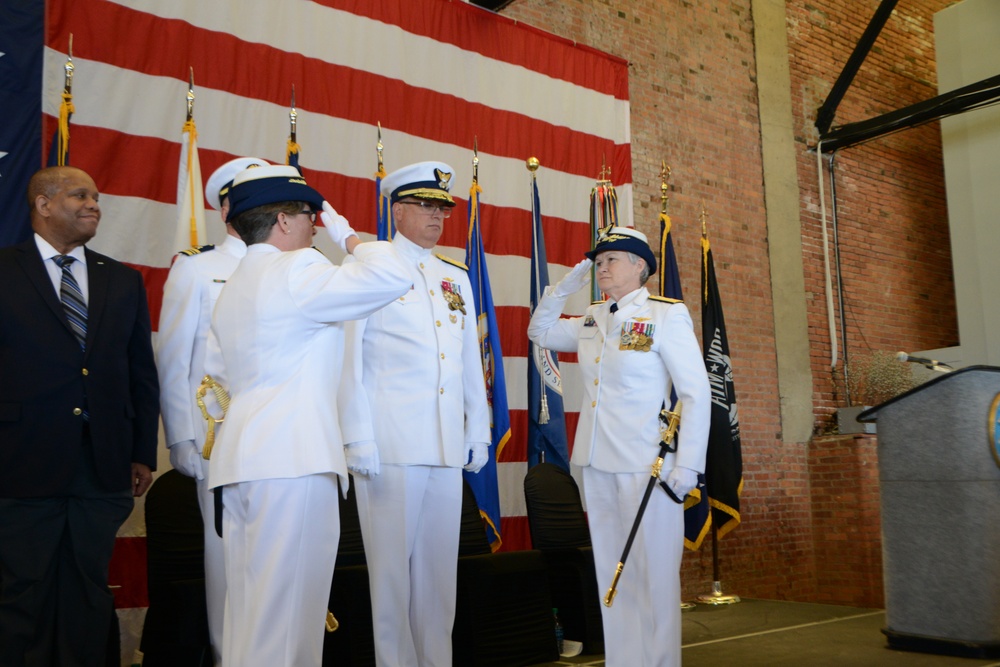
{"type": "Point", "coordinates": [932, 364]}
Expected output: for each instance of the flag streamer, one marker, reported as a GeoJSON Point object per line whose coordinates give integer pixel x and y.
{"type": "Point", "coordinates": [603, 215]}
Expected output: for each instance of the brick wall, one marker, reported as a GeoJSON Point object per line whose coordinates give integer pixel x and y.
{"type": "Point", "coordinates": [895, 251]}
{"type": "Point", "coordinates": [693, 100]}
{"type": "Point", "coordinates": [847, 535]}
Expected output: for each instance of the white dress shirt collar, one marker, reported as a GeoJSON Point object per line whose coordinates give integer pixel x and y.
{"type": "Point", "coordinates": [409, 249]}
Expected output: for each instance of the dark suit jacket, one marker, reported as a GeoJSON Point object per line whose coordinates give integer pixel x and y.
{"type": "Point", "coordinates": [45, 377]}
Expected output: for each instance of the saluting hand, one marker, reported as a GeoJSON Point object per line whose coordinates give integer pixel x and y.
{"type": "Point", "coordinates": [574, 281]}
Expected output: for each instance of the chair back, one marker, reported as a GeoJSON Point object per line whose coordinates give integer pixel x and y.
{"type": "Point", "coordinates": [556, 518]}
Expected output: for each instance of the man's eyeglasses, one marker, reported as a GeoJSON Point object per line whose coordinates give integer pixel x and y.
{"type": "Point", "coordinates": [431, 209]}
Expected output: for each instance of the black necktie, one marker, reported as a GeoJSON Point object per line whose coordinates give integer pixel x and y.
{"type": "Point", "coordinates": [614, 308]}
{"type": "Point", "coordinates": [72, 299]}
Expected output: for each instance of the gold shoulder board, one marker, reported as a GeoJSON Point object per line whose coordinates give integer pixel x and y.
{"type": "Point", "coordinates": [453, 262]}
{"type": "Point", "coordinates": [196, 250]}
{"type": "Point", "coordinates": [665, 299]}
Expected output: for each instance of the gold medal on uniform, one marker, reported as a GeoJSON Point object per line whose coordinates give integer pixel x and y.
{"type": "Point", "coordinates": [636, 336]}
{"type": "Point", "coordinates": [453, 295]}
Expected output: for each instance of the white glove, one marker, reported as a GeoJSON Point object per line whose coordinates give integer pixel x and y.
{"type": "Point", "coordinates": [574, 281]}
{"type": "Point", "coordinates": [682, 481]}
{"type": "Point", "coordinates": [478, 455]}
{"type": "Point", "coordinates": [187, 460]}
{"type": "Point", "coordinates": [362, 458]}
{"type": "Point", "coordinates": [336, 226]}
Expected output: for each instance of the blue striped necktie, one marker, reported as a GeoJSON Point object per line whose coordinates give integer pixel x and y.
{"type": "Point", "coordinates": [72, 300]}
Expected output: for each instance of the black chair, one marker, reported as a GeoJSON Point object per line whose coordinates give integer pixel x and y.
{"type": "Point", "coordinates": [175, 631]}
{"type": "Point", "coordinates": [503, 611]}
{"type": "Point", "coordinates": [503, 615]}
{"type": "Point", "coordinates": [558, 527]}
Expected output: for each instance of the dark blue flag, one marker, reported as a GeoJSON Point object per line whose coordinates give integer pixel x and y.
{"type": "Point", "coordinates": [546, 419]}
{"type": "Point", "coordinates": [22, 24]}
{"type": "Point", "coordinates": [484, 483]}
{"type": "Point", "coordinates": [696, 522]}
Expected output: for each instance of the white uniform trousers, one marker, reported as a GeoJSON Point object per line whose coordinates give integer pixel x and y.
{"type": "Point", "coordinates": [410, 522]}
{"type": "Point", "coordinates": [215, 570]}
{"type": "Point", "coordinates": [643, 626]}
{"type": "Point", "coordinates": [280, 539]}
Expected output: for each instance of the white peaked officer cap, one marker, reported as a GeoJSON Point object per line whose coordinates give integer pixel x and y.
{"type": "Point", "coordinates": [423, 180]}
{"type": "Point", "coordinates": [221, 179]}
{"type": "Point", "coordinates": [625, 239]}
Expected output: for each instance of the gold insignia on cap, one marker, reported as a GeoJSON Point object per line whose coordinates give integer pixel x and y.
{"type": "Point", "coordinates": [603, 234]}
{"type": "Point", "coordinates": [444, 179]}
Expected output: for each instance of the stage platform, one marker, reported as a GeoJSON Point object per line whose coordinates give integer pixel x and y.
{"type": "Point", "coordinates": [768, 633]}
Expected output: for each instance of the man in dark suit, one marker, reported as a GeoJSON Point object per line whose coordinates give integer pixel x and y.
{"type": "Point", "coordinates": [79, 403]}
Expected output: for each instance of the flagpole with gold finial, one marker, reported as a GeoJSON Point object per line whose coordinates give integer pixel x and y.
{"type": "Point", "coordinates": [195, 207]}
{"type": "Point", "coordinates": [66, 108]}
{"type": "Point", "coordinates": [292, 148]}
{"type": "Point", "coordinates": [474, 192]}
{"type": "Point", "coordinates": [532, 166]}
{"type": "Point", "coordinates": [664, 223]}
{"type": "Point", "coordinates": [705, 246]}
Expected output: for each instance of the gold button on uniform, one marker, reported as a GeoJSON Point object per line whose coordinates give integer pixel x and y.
{"type": "Point", "coordinates": [86, 372]}
{"type": "Point", "coordinates": [441, 390]}
{"type": "Point", "coordinates": [596, 381]}
{"type": "Point", "coordinates": [77, 411]}
{"type": "Point", "coordinates": [597, 360]}
{"type": "Point", "coordinates": [593, 404]}
{"type": "Point", "coordinates": [442, 355]}
{"type": "Point", "coordinates": [421, 265]}
{"type": "Point", "coordinates": [432, 292]}
{"type": "Point", "coordinates": [438, 322]}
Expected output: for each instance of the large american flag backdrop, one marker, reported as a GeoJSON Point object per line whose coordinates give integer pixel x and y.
{"type": "Point", "coordinates": [437, 75]}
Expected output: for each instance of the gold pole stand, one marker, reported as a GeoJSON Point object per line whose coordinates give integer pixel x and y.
{"type": "Point", "coordinates": [716, 597]}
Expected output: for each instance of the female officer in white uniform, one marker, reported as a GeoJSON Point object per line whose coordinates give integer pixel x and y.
{"type": "Point", "coordinates": [279, 326]}
{"type": "Point", "coordinates": [632, 348]}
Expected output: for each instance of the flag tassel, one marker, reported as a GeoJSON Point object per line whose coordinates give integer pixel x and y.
{"type": "Point", "coordinates": [543, 411]}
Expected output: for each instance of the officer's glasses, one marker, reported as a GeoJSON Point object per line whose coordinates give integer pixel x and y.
{"type": "Point", "coordinates": [430, 209]}
{"type": "Point", "coordinates": [311, 213]}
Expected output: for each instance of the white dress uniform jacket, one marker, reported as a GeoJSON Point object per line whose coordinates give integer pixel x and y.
{"type": "Point", "coordinates": [628, 361]}
{"type": "Point", "coordinates": [189, 296]}
{"type": "Point", "coordinates": [279, 325]}
{"type": "Point", "coordinates": [624, 389]}
{"type": "Point", "coordinates": [422, 373]}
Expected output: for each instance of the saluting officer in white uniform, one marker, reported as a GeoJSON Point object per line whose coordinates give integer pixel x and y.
{"type": "Point", "coordinates": [417, 415]}
{"type": "Point", "coordinates": [279, 326]}
{"type": "Point", "coordinates": [631, 349]}
{"type": "Point", "coordinates": [193, 285]}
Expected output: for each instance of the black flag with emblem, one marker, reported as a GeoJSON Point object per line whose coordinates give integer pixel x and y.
{"type": "Point", "coordinates": [724, 461]}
